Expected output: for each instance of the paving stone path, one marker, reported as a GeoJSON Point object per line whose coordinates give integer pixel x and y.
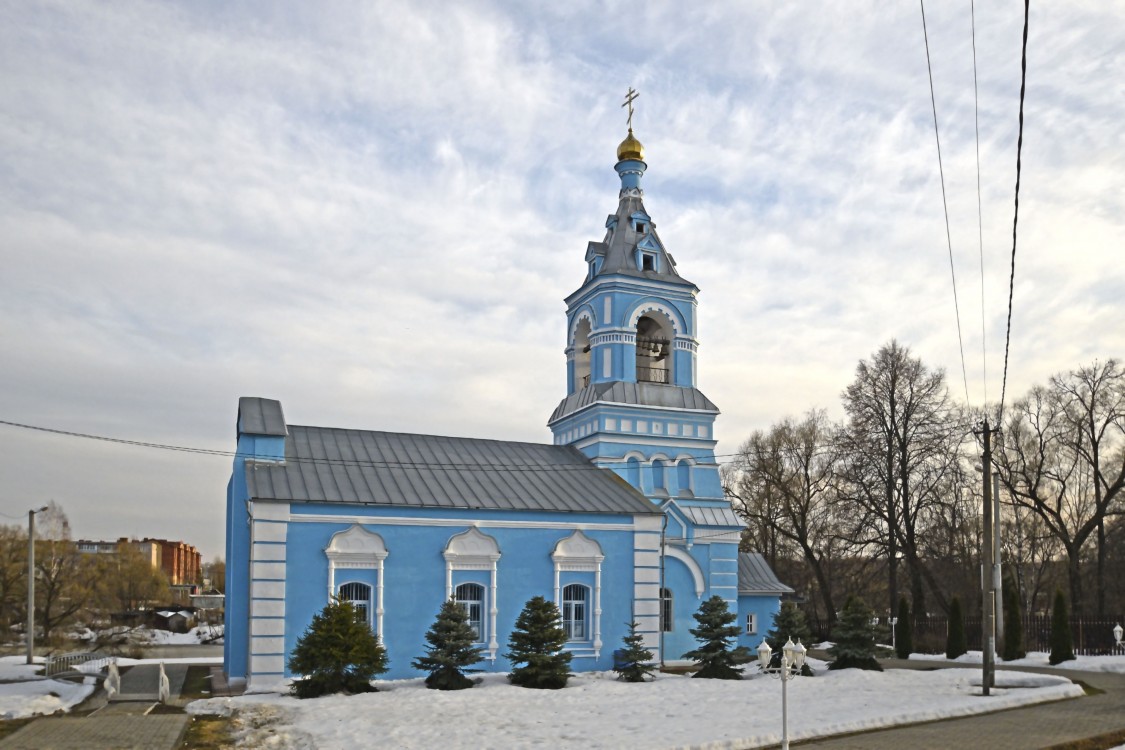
{"type": "Point", "coordinates": [124, 724]}
{"type": "Point", "coordinates": [1029, 728]}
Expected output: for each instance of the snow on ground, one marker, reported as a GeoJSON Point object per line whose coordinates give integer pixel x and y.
{"type": "Point", "coordinates": [33, 695]}
{"type": "Point", "coordinates": [144, 636]}
{"type": "Point", "coordinates": [597, 711]}
{"type": "Point", "coordinates": [1039, 659]}
{"type": "Point", "coordinates": [196, 635]}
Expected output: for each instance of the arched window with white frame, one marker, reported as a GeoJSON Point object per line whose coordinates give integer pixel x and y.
{"type": "Point", "coordinates": [576, 611]}
{"type": "Point", "coordinates": [578, 592]}
{"type": "Point", "coordinates": [473, 550]}
{"type": "Point", "coordinates": [359, 596]}
{"type": "Point", "coordinates": [471, 597]}
{"type": "Point", "coordinates": [358, 553]}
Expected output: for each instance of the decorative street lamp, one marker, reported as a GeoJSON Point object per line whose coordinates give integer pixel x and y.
{"type": "Point", "coordinates": [894, 633]}
{"type": "Point", "coordinates": [1117, 633]}
{"type": "Point", "coordinates": [31, 581]}
{"type": "Point", "coordinates": [792, 660]}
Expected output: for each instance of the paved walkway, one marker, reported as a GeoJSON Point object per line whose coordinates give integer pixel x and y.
{"type": "Point", "coordinates": [100, 733]}
{"type": "Point", "coordinates": [1029, 728]}
{"type": "Point", "coordinates": [124, 724]}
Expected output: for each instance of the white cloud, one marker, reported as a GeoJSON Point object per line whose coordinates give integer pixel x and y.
{"type": "Point", "coordinates": [374, 212]}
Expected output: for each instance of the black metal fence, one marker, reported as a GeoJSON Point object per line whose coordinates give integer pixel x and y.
{"type": "Point", "coordinates": [1091, 636]}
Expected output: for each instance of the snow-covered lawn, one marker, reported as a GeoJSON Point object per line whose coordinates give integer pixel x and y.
{"type": "Point", "coordinates": [1039, 659]}
{"type": "Point", "coordinates": [33, 695]}
{"type": "Point", "coordinates": [597, 711]}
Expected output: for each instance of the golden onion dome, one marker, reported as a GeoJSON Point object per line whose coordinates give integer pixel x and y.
{"type": "Point", "coordinates": [630, 148]}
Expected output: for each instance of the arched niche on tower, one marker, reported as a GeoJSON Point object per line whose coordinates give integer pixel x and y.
{"type": "Point", "coordinates": [655, 343]}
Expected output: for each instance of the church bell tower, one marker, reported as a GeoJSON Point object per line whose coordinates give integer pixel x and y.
{"type": "Point", "coordinates": [632, 403]}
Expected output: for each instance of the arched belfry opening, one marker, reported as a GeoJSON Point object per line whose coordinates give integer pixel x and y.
{"type": "Point", "coordinates": [582, 354]}
{"type": "Point", "coordinates": [655, 336]}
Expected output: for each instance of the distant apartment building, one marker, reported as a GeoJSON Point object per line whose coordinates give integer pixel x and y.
{"type": "Point", "coordinates": [182, 563]}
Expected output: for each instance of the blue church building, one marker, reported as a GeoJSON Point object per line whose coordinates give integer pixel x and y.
{"type": "Point", "coordinates": [622, 518]}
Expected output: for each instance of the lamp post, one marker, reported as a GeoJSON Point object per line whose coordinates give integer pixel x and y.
{"type": "Point", "coordinates": [792, 660]}
{"type": "Point", "coordinates": [31, 581]}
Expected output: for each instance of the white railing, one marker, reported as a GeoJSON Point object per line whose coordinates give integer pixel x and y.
{"type": "Point", "coordinates": [165, 688]}
{"type": "Point", "coordinates": [112, 683]}
{"type": "Point", "coordinates": [71, 662]}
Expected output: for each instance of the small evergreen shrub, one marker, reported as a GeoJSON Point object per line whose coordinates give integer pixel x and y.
{"type": "Point", "coordinates": [1013, 623]}
{"type": "Point", "coordinates": [854, 637]}
{"type": "Point", "coordinates": [904, 631]}
{"type": "Point", "coordinates": [451, 652]}
{"type": "Point", "coordinates": [537, 643]}
{"type": "Point", "coordinates": [633, 664]}
{"type": "Point", "coordinates": [337, 653]}
{"type": "Point", "coordinates": [955, 643]}
{"type": "Point", "coordinates": [1062, 647]}
{"type": "Point", "coordinates": [789, 622]}
{"type": "Point", "coordinates": [715, 657]}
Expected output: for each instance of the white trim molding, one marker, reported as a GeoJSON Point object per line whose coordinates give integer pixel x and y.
{"type": "Point", "coordinates": [473, 550]}
{"type": "Point", "coordinates": [357, 548]}
{"type": "Point", "coordinates": [692, 566]}
{"type": "Point", "coordinates": [580, 553]}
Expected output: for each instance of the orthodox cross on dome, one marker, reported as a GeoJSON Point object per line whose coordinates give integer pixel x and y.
{"type": "Point", "coordinates": [629, 97]}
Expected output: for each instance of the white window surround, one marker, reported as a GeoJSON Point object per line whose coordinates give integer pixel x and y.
{"type": "Point", "coordinates": [473, 550]}
{"type": "Point", "coordinates": [356, 548]}
{"type": "Point", "coordinates": [580, 553]}
{"type": "Point", "coordinates": [751, 624]}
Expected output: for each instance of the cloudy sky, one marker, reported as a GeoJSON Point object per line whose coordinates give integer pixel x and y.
{"type": "Point", "coordinates": [372, 212]}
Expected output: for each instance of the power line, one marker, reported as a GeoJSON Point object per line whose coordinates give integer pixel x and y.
{"type": "Point", "coordinates": [1016, 214]}
{"type": "Point", "coordinates": [980, 219]}
{"type": "Point", "coordinates": [825, 447]}
{"type": "Point", "coordinates": [945, 204]}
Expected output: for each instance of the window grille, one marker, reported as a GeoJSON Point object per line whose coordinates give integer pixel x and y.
{"type": "Point", "coordinates": [471, 597]}
{"type": "Point", "coordinates": [667, 618]}
{"type": "Point", "coordinates": [574, 610]}
{"type": "Point", "coordinates": [359, 595]}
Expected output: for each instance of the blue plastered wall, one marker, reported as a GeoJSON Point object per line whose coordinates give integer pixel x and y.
{"type": "Point", "coordinates": [415, 576]}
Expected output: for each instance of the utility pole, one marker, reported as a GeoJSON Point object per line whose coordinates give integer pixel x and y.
{"type": "Point", "coordinates": [31, 581]}
{"type": "Point", "coordinates": [997, 573]}
{"type": "Point", "coordinates": [988, 600]}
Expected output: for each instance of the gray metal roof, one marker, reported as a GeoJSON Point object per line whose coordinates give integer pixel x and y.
{"type": "Point", "coordinates": [710, 516]}
{"type": "Point", "coordinates": [620, 244]}
{"type": "Point", "coordinates": [756, 577]}
{"type": "Point", "coordinates": [428, 471]}
{"type": "Point", "coordinates": [646, 394]}
{"type": "Point", "coordinates": [260, 416]}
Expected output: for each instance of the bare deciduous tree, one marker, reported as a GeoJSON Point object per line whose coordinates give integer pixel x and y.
{"type": "Point", "coordinates": [1063, 458]}
{"type": "Point", "coordinates": [786, 485]}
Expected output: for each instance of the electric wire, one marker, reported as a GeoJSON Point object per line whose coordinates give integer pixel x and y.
{"type": "Point", "coordinates": [980, 213]}
{"type": "Point", "coordinates": [823, 448]}
{"type": "Point", "coordinates": [945, 204]}
{"type": "Point", "coordinates": [1016, 214]}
